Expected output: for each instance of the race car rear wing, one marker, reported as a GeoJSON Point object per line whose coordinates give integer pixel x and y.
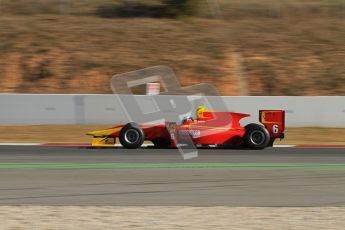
{"type": "Point", "coordinates": [274, 121]}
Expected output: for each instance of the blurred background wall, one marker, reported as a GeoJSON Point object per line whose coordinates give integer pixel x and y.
{"type": "Point", "coordinates": [247, 47]}
{"type": "Point", "coordinates": [30, 109]}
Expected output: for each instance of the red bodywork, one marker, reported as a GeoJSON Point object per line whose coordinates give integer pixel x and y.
{"type": "Point", "coordinates": [215, 128]}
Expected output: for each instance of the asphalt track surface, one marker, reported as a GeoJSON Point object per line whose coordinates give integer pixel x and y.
{"type": "Point", "coordinates": [287, 177]}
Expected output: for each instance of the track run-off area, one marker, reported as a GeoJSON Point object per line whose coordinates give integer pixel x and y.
{"type": "Point", "coordinates": [273, 177]}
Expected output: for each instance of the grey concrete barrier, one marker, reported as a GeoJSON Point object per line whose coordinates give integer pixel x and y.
{"type": "Point", "coordinates": [107, 108]}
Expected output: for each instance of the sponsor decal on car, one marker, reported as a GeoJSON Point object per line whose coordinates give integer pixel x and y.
{"type": "Point", "coordinates": [192, 133]}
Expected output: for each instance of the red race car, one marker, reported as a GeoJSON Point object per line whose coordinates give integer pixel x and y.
{"type": "Point", "coordinates": [210, 128]}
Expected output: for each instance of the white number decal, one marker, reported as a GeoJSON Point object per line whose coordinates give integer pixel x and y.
{"type": "Point", "coordinates": [275, 129]}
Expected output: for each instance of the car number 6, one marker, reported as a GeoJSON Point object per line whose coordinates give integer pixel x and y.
{"type": "Point", "coordinates": [275, 129]}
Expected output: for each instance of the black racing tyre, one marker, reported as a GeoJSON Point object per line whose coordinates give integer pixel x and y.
{"type": "Point", "coordinates": [161, 143]}
{"type": "Point", "coordinates": [131, 136]}
{"type": "Point", "coordinates": [256, 137]}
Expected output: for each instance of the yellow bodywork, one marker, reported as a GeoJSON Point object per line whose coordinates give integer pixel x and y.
{"type": "Point", "coordinates": [103, 141]}
{"type": "Point", "coordinates": [102, 138]}
{"type": "Point", "coordinates": [104, 132]}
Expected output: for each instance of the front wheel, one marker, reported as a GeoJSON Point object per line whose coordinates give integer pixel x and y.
{"type": "Point", "coordinates": [256, 137]}
{"type": "Point", "coordinates": [131, 136]}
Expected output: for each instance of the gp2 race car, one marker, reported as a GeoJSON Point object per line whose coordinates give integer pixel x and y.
{"type": "Point", "coordinates": [220, 129]}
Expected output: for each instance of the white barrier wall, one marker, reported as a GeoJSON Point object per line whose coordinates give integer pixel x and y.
{"type": "Point", "coordinates": [106, 109]}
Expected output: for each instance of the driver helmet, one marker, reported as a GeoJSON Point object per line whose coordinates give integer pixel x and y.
{"type": "Point", "coordinates": [200, 111]}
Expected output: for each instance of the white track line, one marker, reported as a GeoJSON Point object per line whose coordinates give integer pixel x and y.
{"type": "Point", "coordinates": [20, 144]}
{"type": "Point", "coordinates": [284, 146]}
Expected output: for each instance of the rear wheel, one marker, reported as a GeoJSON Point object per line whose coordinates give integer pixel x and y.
{"type": "Point", "coordinates": [131, 136]}
{"type": "Point", "coordinates": [256, 137]}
